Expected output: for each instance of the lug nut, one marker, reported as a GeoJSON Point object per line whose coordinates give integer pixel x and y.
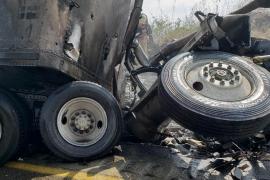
{"type": "Point", "coordinates": [211, 65]}
{"type": "Point", "coordinates": [206, 74]}
{"type": "Point", "coordinates": [205, 69]}
{"type": "Point", "coordinates": [222, 83]}
{"type": "Point", "coordinates": [220, 64]}
{"type": "Point", "coordinates": [212, 80]}
{"type": "Point", "coordinates": [236, 72]}
{"type": "Point", "coordinates": [229, 67]}
{"type": "Point", "coordinates": [232, 82]}
{"type": "Point", "coordinates": [237, 78]}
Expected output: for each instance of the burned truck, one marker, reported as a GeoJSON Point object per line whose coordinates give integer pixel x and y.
{"type": "Point", "coordinates": [64, 63]}
{"type": "Point", "coordinates": [60, 55]}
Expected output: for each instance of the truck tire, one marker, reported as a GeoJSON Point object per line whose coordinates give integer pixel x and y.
{"type": "Point", "coordinates": [13, 126]}
{"type": "Point", "coordinates": [216, 94]}
{"type": "Point", "coordinates": [267, 128]}
{"type": "Point", "coordinates": [81, 121]}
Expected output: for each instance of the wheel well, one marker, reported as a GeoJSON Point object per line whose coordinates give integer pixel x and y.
{"type": "Point", "coordinates": [32, 85]}
{"type": "Point", "coordinates": [31, 79]}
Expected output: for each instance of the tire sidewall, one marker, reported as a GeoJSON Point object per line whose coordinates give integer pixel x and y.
{"type": "Point", "coordinates": [191, 98]}
{"type": "Point", "coordinates": [10, 130]}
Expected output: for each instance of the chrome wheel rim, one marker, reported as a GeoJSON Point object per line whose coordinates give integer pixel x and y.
{"type": "Point", "coordinates": [82, 122]}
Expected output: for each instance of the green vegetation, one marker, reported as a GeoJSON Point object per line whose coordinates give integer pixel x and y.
{"type": "Point", "coordinates": [165, 31]}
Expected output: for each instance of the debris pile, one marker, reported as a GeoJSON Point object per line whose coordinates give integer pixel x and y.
{"type": "Point", "coordinates": [212, 159]}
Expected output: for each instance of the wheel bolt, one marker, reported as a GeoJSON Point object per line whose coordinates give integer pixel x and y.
{"type": "Point", "coordinates": [222, 83]}
{"type": "Point", "coordinates": [205, 69]}
{"type": "Point", "coordinates": [236, 72]}
{"type": "Point", "coordinates": [229, 67]}
{"type": "Point", "coordinates": [237, 78]}
{"type": "Point", "coordinates": [206, 74]}
{"type": "Point", "coordinates": [220, 64]}
{"type": "Point", "coordinates": [232, 82]}
{"type": "Point", "coordinates": [211, 65]}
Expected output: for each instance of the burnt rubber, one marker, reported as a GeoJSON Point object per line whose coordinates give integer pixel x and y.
{"type": "Point", "coordinates": [211, 117]}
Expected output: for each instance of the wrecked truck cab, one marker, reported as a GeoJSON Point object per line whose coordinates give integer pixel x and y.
{"type": "Point", "coordinates": [57, 60]}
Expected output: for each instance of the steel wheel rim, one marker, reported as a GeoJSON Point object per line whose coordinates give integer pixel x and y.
{"type": "Point", "coordinates": [199, 76]}
{"type": "Point", "coordinates": [82, 122]}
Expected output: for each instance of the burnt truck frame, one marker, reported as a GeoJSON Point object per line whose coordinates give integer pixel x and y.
{"type": "Point", "coordinates": [58, 76]}
{"type": "Point", "coordinates": [33, 46]}
{"type": "Point", "coordinates": [33, 40]}
{"type": "Point", "coordinates": [49, 44]}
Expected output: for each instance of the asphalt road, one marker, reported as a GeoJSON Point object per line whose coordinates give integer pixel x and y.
{"type": "Point", "coordinates": [132, 161]}
{"type": "Point", "coordinates": [8, 173]}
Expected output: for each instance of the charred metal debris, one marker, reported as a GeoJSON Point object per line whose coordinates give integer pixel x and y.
{"type": "Point", "coordinates": [211, 158]}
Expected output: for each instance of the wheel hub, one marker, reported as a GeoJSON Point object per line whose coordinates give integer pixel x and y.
{"type": "Point", "coordinates": [221, 74]}
{"type": "Point", "coordinates": [218, 80]}
{"type": "Point", "coordinates": [82, 122]}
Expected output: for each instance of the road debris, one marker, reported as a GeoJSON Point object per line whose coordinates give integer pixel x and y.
{"type": "Point", "coordinates": [247, 158]}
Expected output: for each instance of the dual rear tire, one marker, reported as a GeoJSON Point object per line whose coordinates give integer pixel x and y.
{"type": "Point", "coordinates": [79, 121]}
